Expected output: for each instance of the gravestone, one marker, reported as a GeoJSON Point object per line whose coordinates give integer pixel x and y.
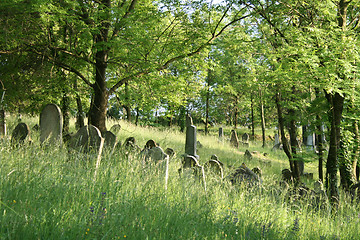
{"type": "Point", "coordinates": [130, 146]}
{"type": "Point", "coordinates": [215, 167]}
{"type": "Point", "coordinates": [20, 134]}
{"type": "Point", "coordinates": [221, 133]}
{"type": "Point", "coordinates": [155, 154]}
{"type": "Point", "coordinates": [257, 171]}
{"type": "Point", "coordinates": [248, 154]}
{"type": "Point", "coordinates": [214, 157]}
{"type": "Point", "coordinates": [190, 142]}
{"type": "Point", "coordinates": [245, 138]}
{"type": "Point", "coordinates": [244, 175]}
{"type": "Point", "coordinates": [87, 140]}
{"type": "Point", "coordinates": [150, 144]}
{"type": "Point", "coordinates": [287, 175]}
{"type": "Point", "coordinates": [310, 142]}
{"type": "Point", "coordinates": [189, 121]}
{"type": "Point", "coordinates": [110, 140]}
{"type": "Point", "coordinates": [170, 152]}
{"type": "Point", "coordinates": [234, 141]}
{"type": "Point", "coordinates": [51, 124]}
{"type": "Point", "coordinates": [2, 122]}
{"type": "Point", "coordinates": [115, 128]}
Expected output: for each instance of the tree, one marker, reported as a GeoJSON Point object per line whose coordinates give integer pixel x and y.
{"type": "Point", "coordinates": [125, 39]}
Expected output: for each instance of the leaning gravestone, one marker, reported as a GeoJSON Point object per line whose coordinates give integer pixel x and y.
{"type": "Point", "coordinates": [87, 140]}
{"type": "Point", "coordinates": [190, 142]}
{"type": "Point", "coordinates": [234, 141]}
{"type": "Point", "coordinates": [51, 124]}
{"type": "Point", "coordinates": [20, 134]}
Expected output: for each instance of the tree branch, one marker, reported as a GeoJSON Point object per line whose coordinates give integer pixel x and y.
{"type": "Point", "coordinates": [126, 15]}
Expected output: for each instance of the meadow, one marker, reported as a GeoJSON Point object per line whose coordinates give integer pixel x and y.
{"type": "Point", "coordinates": [45, 193]}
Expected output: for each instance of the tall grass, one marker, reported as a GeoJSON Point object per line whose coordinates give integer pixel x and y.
{"type": "Point", "coordinates": [46, 193]}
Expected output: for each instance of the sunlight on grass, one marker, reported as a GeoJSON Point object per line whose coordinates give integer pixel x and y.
{"type": "Point", "coordinates": [47, 194]}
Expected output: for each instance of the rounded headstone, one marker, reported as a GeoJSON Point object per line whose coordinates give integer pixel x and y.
{"type": "Point", "coordinates": [20, 134]}
{"type": "Point", "coordinates": [51, 124]}
{"type": "Point", "coordinates": [214, 166]}
{"type": "Point", "coordinates": [150, 144]}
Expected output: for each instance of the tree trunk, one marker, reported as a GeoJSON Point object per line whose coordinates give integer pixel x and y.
{"type": "Point", "coordinates": [181, 120]}
{"type": "Point", "coordinates": [336, 102]}
{"type": "Point", "coordinates": [207, 104]}
{"type": "Point", "coordinates": [98, 109]}
{"type": "Point", "coordinates": [79, 116]}
{"type": "Point", "coordinates": [356, 149]}
{"type": "Point", "coordinates": [65, 102]}
{"type": "Point", "coordinates": [252, 137]}
{"type": "Point", "coordinates": [235, 112]}
{"type": "Point", "coordinates": [262, 117]}
{"type": "Point", "coordinates": [137, 116]}
{"type": "Point", "coordinates": [283, 138]}
{"type": "Point", "coordinates": [321, 149]}
{"type": "Point", "coordinates": [294, 145]}
{"type": "Point", "coordinates": [320, 142]}
{"type": "Point", "coordinates": [127, 102]}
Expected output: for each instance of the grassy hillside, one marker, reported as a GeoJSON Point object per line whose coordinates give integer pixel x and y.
{"type": "Point", "coordinates": [46, 193]}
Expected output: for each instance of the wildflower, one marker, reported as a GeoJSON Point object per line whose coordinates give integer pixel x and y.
{"type": "Point", "coordinates": [296, 226]}
{"type": "Point", "coordinates": [14, 201]}
{"type": "Point", "coordinates": [124, 236]}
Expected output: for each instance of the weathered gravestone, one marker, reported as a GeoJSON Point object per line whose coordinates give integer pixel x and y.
{"type": "Point", "coordinates": [234, 141]}
{"type": "Point", "coordinates": [87, 140]}
{"type": "Point", "coordinates": [51, 124]}
{"type": "Point", "coordinates": [155, 154]}
{"type": "Point", "coordinates": [191, 167]}
{"type": "Point", "coordinates": [170, 152]}
{"type": "Point", "coordinates": [190, 142]}
{"type": "Point", "coordinates": [310, 142]}
{"type": "Point", "coordinates": [20, 134]}
{"type": "Point", "coordinates": [189, 120]}
{"type": "Point", "coordinates": [248, 154]}
{"type": "Point", "coordinates": [150, 144]}
{"type": "Point", "coordinates": [115, 128]}
{"type": "Point", "coordinates": [130, 145]}
{"type": "Point", "coordinates": [2, 122]}
{"type": "Point", "coordinates": [244, 175]}
{"type": "Point", "coordinates": [110, 140]}
{"type": "Point", "coordinates": [215, 167]}
{"type": "Point", "coordinates": [245, 138]}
